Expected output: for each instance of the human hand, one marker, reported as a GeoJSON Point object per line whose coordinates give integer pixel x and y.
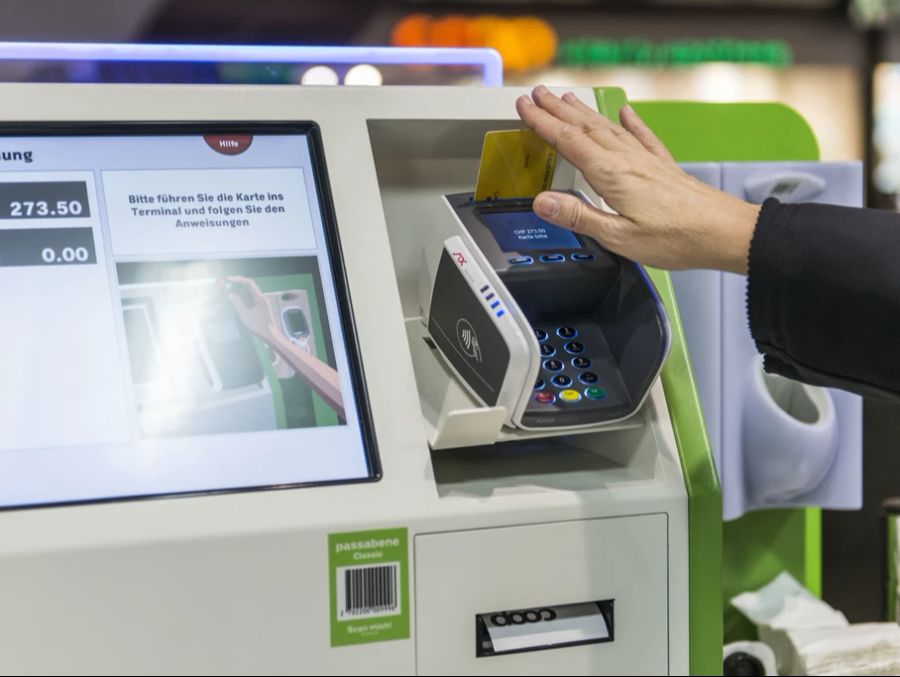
{"type": "Point", "coordinates": [666, 218]}
{"type": "Point", "coordinates": [251, 306]}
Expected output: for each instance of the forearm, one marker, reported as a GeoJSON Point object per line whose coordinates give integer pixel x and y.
{"type": "Point", "coordinates": [824, 295]}
{"type": "Point", "coordinates": [724, 241]}
{"type": "Point", "coordinates": [322, 378]}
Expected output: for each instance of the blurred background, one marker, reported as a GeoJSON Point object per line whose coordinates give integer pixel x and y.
{"type": "Point", "coordinates": [831, 60]}
{"type": "Point", "coordinates": [836, 62]}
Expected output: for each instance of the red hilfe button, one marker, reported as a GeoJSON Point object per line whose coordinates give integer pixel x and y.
{"type": "Point", "coordinates": [228, 144]}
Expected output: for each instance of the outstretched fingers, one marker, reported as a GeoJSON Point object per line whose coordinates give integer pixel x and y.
{"type": "Point", "coordinates": [634, 124]}
{"type": "Point", "coordinates": [571, 142]}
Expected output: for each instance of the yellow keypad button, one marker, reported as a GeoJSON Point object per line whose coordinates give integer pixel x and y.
{"type": "Point", "coordinates": [570, 395]}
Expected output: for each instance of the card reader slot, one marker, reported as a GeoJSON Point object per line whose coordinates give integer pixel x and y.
{"type": "Point", "coordinates": [540, 628]}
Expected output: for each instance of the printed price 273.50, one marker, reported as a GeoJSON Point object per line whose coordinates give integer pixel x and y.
{"type": "Point", "coordinates": [42, 208]}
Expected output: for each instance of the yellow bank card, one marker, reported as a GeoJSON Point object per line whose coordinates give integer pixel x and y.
{"type": "Point", "coordinates": [514, 163]}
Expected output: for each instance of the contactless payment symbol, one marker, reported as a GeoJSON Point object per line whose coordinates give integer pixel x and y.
{"type": "Point", "coordinates": [468, 339]}
{"type": "Point", "coordinates": [228, 144]}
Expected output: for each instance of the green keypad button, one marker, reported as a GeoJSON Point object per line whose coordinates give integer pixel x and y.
{"type": "Point", "coordinates": [595, 393]}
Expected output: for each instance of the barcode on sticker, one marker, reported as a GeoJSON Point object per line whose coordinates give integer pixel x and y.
{"type": "Point", "coordinates": [368, 591]}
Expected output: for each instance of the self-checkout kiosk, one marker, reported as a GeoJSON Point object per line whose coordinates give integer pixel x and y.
{"type": "Point", "coordinates": [778, 443]}
{"type": "Point", "coordinates": [429, 515]}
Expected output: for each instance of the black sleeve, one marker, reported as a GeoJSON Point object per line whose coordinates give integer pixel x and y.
{"type": "Point", "coordinates": [823, 295]}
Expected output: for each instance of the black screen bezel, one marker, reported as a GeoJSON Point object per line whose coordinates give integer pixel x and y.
{"type": "Point", "coordinates": [312, 132]}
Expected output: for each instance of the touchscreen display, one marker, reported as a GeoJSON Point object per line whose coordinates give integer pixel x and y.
{"type": "Point", "coordinates": [174, 316]}
{"type": "Point", "coordinates": [526, 231]}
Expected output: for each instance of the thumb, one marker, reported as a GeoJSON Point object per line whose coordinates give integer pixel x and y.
{"type": "Point", "coordinates": [570, 211]}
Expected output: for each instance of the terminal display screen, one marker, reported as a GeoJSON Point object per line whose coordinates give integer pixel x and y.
{"type": "Point", "coordinates": [520, 231]}
{"type": "Point", "coordinates": [174, 315]}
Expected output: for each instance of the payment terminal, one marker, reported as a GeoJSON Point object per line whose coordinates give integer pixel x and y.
{"type": "Point", "coordinates": [541, 320]}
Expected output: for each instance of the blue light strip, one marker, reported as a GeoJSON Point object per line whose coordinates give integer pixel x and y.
{"type": "Point", "coordinates": [489, 59]}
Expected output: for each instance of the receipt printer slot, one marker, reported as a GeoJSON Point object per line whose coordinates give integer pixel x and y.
{"type": "Point", "coordinates": [539, 628]}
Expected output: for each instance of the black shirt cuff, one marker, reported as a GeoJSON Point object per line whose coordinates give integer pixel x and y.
{"type": "Point", "coordinates": [823, 295]}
